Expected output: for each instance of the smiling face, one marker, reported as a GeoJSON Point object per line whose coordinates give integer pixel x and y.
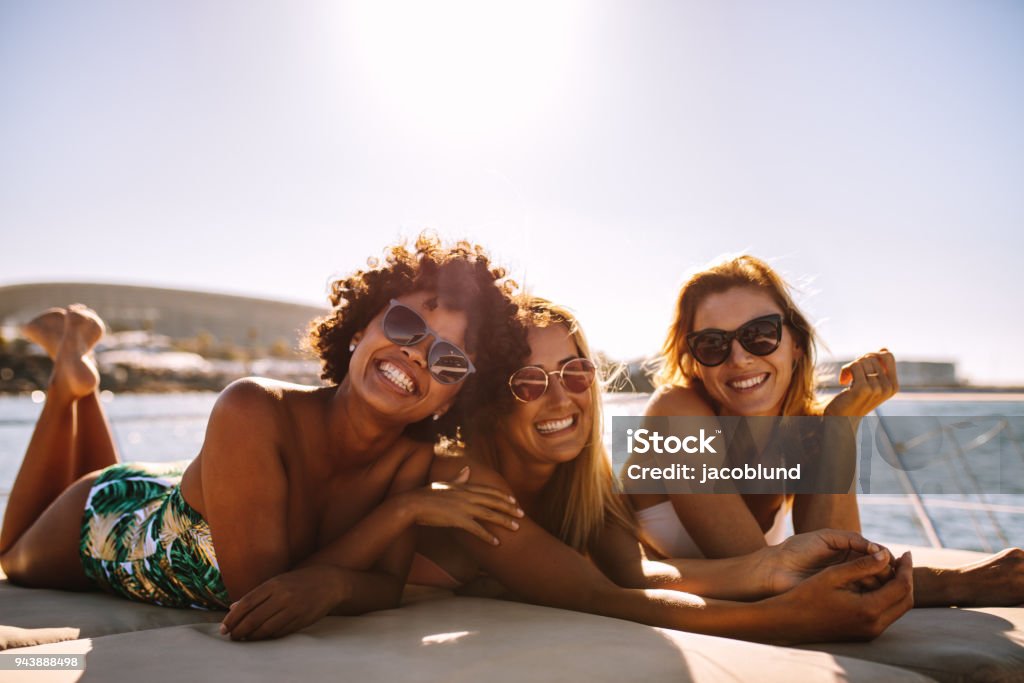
{"type": "Point", "coordinates": [394, 379]}
{"type": "Point", "coordinates": [746, 384]}
{"type": "Point", "coordinates": [555, 427]}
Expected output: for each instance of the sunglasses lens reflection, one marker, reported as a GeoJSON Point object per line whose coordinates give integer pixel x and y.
{"type": "Point", "coordinates": [404, 326]}
{"type": "Point", "coordinates": [578, 375]}
{"type": "Point", "coordinates": [760, 337]}
{"type": "Point", "coordinates": [448, 364]}
{"type": "Point", "coordinates": [710, 348]}
{"type": "Point", "coordinates": [528, 383]}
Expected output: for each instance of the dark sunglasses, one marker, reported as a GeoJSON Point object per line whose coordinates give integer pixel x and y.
{"type": "Point", "coordinates": [447, 363]}
{"type": "Point", "coordinates": [760, 336]}
{"type": "Point", "coordinates": [530, 383]}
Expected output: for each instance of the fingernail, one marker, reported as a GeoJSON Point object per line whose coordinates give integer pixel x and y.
{"type": "Point", "coordinates": [514, 526]}
{"type": "Point", "coordinates": [495, 541]}
{"type": "Point", "coordinates": [512, 499]}
{"type": "Point", "coordinates": [873, 548]}
{"type": "Point", "coordinates": [519, 511]}
{"type": "Point", "coordinates": [233, 605]}
{"type": "Point", "coordinates": [223, 629]}
{"type": "Point", "coordinates": [880, 555]}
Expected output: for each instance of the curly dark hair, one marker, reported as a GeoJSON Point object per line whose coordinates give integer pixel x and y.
{"type": "Point", "coordinates": [464, 279]}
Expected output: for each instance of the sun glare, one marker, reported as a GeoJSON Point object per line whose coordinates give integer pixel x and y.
{"type": "Point", "coordinates": [461, 66]}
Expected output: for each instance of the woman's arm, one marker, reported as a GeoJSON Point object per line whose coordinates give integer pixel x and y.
{"type": "Point", "coordinates": [769, 571]}
{"type": "Point", "coordinates": [365, 568]}
{"type": "Point", "coordinates": [620, 556]}
{"type": "Point", "coordinates": [544, 571]}
{"type": "Point", "coordinates": [872, 380]}
{"type": "Point", "coordinates": [244, 487]}
{"type": "Point", "coordinates": [324, 583]}
{"type": "Point", "coordinates": [392, 555]}
{"type": "Point", "coordinates": [826, 511]}
{"type": "Point", "coordinates": [445, 503]}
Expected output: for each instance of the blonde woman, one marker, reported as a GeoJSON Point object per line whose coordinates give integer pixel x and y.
{"type": "Point", "coordinates": [739, 346]}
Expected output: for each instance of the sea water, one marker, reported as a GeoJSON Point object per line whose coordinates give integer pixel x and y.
{"type": "Point", "coordinates": [167, 427]}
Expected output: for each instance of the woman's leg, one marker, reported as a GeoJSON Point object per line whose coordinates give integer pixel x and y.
{"type": "Point", "coordinates": [46, 469]}
{"type": "Point", "coordinates": [41, 514]}
{"type": "Point", "coordinates": [94, 441]}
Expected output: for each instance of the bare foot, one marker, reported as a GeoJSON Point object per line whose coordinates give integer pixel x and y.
{"type": "Point", "coordinates": [88, 325]}
{"type": "Point", "coordinates": [996, 580]}
{"type": "Point", "coordinates": [46, 329]}
{"type": "Point", "coordinates": [74, 370]}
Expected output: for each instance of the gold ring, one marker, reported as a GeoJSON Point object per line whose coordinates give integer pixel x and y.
{"type": "Point", "coordinates": [871, 374]}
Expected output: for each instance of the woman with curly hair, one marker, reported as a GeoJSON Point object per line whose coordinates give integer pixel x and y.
{"type": "Point", "coordinates": [266, 518]}
{"type": "Point", "coordinates": [739, 346]}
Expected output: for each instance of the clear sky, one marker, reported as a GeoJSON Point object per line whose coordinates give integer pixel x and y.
{"type": "Point", "coordinates": [872, 151]}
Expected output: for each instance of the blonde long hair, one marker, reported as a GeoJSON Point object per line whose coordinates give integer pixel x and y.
{"type": "Point", "coordinates": [581, 497]}
{"type": "Point", "coordinates": [679, 368]}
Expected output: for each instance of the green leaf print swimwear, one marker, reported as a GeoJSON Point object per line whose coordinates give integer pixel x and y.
{"type": "Point", "coordinates": [141, 540]}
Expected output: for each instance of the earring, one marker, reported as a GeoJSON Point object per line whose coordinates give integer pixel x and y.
{"type": "Point", "coordinates": [437, 416]}
{"type": "Point", "coordinates": [351, 347]}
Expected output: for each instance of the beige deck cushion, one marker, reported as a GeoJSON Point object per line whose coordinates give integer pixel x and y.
{"type": "Point", "coordinates": [464, 639]}
{"type": "Point", "coordinates": [944, 644]}
{"type": "Point", "coordinates": [92, 614]}
{"type": "Point", "coordinates": [949, 645]}
{"type": "Point", "coordinates": [976, 644]}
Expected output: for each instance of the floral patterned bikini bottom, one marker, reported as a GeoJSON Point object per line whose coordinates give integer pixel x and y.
{"type": "Point", "coordinates": [141, 540]}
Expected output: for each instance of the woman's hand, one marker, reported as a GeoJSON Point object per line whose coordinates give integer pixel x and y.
{"type": "Point", "coordinates": [458, 504]}
{"type": "Point", "coordinates": [873, 381]}
{"type": "Point", "coordinates": [804, 555]}
{"type": "Point", "coordinates": [286, 603]}
{"type": "Point", "coordinates": [831, 605]}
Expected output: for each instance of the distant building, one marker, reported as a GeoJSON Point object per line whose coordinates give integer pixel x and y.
{"type": "Point", "coordinates": [245, 322]}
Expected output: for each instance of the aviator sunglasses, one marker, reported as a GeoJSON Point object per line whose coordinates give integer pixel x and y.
{"type": "Point", "coordinates": [447, 363]}
{"type": "Point", "coordinates": [760, 336]}
{"type": "Point", "coordinates": [530, 383]}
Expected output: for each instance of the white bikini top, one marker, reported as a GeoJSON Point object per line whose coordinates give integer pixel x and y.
{"type": "Point", "coordinates": [662, 530]}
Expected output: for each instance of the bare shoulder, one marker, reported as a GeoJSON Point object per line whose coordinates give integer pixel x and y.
{"type": "Point", "coordinates": [250, 393]}
{"type": "Point", "coordinates": [241, 456]}
{"type": "Point", "coordinates": [248, 409]}
{"type": "Point", "coordinates": [677, 400]}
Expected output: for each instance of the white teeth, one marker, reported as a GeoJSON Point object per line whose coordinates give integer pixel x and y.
{"type": "Point", "coordinates": [397, 377]}
{"type": "Point", "coordinates": [749, 383]}
{"type": "Point", "coordinates": [553, 425]}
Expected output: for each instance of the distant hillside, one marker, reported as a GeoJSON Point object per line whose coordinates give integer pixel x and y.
{"type": "Point", "coordinates": [245, 322]}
